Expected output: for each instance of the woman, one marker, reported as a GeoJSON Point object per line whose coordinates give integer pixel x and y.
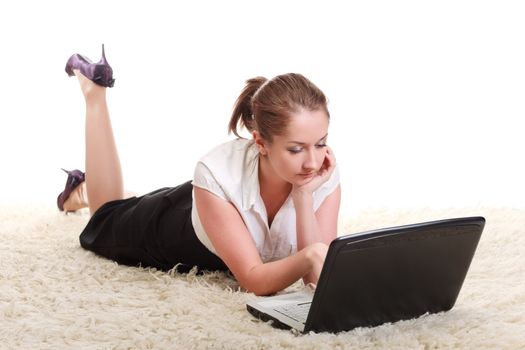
{"type": "Point", "coordinates": [266, 208]}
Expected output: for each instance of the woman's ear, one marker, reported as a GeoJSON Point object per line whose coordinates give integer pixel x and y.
{"type": "Point", "coordinates": [259, 142]}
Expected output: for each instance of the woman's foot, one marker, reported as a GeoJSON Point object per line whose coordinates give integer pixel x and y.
{"type": "Point", "coordinates": [74, 196]}
{"type": "Point", "coordinates": [90, 90]}
{"type": "Point", "coordinates": [100, 73]}
{"type": "Point", "coordinates": [77, 199]}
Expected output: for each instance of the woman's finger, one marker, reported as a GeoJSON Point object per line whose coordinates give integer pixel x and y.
{"type": "Point", "coordinates": [331, 154]}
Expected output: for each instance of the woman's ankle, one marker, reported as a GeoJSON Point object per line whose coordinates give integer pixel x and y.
{"type": "Point", "coordinates": [95, 98]}
{"type": "Point", "coordinates": [91, 91]}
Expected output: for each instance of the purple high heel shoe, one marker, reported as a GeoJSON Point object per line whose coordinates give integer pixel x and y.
{"type": "Point", "coordinates": [100, 73]}
{"type": "Point", "coordinates": [74, 179]}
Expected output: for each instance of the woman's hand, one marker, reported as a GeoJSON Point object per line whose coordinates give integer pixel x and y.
{"type": "Point", "coordinates": [316, 254]}
{"type": "Point", "coordinates": [318, 179]}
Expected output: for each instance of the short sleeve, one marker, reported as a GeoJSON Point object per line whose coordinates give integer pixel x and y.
{"type": "Point", "coordinates": [203, 178]}
{"type": "Point", "coordinates": [327, 188]}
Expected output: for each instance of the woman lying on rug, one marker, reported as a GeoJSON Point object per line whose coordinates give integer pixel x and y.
{"type": "Point", "coordinates": [266, 208]}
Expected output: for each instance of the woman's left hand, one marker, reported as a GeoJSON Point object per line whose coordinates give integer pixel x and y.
{"type": "Point", "coordinates": [319, 178]}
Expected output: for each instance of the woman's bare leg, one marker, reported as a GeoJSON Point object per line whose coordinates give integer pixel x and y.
{"type": "Point", "coordinates": [103, 172]}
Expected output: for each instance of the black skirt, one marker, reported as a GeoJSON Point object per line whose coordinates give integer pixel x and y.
{"type": "Point", "coordinates": [152, 230]}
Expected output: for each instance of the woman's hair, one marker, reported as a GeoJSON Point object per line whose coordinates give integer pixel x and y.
{"type": "Point", "coordinates": [267, 105]}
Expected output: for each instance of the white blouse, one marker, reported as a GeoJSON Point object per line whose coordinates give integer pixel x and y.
{"type": "Point", "coordinates": [230, 171]}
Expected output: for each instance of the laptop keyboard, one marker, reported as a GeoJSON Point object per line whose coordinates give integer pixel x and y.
{"type": "Point", "coordinates": [298, 312]}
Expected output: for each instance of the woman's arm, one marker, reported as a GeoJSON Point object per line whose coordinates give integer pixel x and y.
{"type": "Point", "coordinates": [312, 228]}
{"type": "Point", "coordinates": [321, 225]}
{"type": "Point", "coordinates": [318, 226]}
{"type": "Point", "coordinates": [234, 245]}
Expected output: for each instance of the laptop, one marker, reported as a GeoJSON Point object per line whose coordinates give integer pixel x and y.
{"type": "Point", "coordinates": [380, 276]}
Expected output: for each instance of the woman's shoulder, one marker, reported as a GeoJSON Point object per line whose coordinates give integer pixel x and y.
{"type": "Point", "coordinates": [229, 161]}
{"type": "Point", "coordinates": [225, 167]}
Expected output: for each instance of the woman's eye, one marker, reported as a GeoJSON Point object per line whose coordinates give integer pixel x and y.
{"type": "Point", "coordinates": [299, 150]}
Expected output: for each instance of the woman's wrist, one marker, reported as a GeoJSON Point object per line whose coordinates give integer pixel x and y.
{"type": "Point", "coordinates": [301, 196]}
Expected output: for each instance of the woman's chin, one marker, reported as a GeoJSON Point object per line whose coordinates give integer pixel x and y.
{"type": "Point", "coordinates": [304, 179]}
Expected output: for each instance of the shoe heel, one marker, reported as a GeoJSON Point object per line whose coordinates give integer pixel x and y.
{"type": "Point", "coordinates": [103, 59]}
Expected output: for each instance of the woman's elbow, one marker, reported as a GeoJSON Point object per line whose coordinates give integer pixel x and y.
{"type": "Point", "coordinates": [261, 291]}
{"type": "Point", "coordinates": [254, 284]}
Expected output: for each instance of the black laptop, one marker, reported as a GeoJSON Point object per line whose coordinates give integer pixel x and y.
{"type": "Point", "coordinates": [380, 276]}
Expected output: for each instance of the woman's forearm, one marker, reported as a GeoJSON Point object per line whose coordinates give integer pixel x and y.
{"type": "Point", "coordinates": [307, 227]}
{"type": "Point", "coordinates": [277, 275]}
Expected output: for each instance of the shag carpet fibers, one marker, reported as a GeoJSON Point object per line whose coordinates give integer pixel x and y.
{"type": "Point", "coordinates": [55, 295]}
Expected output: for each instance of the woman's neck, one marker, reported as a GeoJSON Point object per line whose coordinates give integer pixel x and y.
{"type": "Point", "coordinates": [269, 182]}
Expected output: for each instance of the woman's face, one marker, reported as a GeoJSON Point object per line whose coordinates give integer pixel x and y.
{"type": "Point", "coordinates": [296, 156]}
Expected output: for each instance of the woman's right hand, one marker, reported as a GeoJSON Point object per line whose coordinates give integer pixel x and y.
{"type": "Point", "coordinates": [315, 255]}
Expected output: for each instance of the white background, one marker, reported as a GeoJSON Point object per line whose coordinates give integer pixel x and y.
{"type": "Point", "coordinates": [427, 98]}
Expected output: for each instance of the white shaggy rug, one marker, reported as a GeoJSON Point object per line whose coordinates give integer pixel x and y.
{"type": "Point", "coordinates": [55, 295]}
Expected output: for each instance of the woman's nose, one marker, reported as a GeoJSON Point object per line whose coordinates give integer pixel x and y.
{"type": "Point", "coordinates": [310, 163]}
